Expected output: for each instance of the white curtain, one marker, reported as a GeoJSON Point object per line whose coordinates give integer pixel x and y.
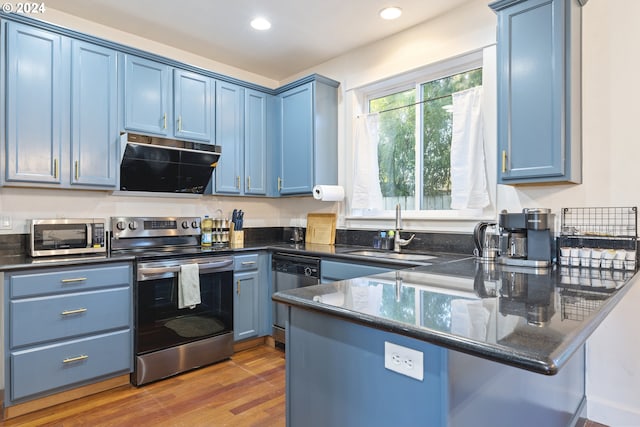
{"type": "Point", "coordinates": [468, 165]}
{"type": "Point", "coordinates": [366, 181]}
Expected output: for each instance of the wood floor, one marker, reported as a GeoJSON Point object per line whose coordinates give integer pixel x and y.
{"type": "Point", "coordinates": [248, 390]}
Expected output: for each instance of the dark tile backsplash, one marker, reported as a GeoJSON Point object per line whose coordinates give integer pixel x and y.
{"type": "Point", "coordinates": [11, 244]}
{"type": "Point", "coordinates": [423, 242]}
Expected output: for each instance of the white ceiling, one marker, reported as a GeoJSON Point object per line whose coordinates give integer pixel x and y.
{"type": "Point", "coordinates": [304, 33]}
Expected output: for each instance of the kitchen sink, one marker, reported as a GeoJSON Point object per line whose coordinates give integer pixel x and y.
{"type": "Point", "coordinates": [393, 255]}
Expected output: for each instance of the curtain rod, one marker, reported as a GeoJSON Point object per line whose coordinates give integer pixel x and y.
{"type": "Point", "coordinates": [415, 103]}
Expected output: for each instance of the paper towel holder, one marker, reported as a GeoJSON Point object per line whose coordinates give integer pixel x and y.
{"type": "Point", "coordinates": [328, 193]}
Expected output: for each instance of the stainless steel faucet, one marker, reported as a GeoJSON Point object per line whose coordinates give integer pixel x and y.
{"type": "Point", "coordinates": [398, 241]}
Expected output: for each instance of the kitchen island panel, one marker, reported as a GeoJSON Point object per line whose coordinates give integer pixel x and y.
{"type": "Point", "coordinates": [336, 376]}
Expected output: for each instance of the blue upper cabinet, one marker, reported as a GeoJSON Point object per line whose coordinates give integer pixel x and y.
{"type": "Point", "coordinates": [308, 136]}
{"type": "Point", "coordinates": [147, 86]}
{"type": "Point", "coordinates": [255, 142]}
{"type": "Point", "coordinates": [230, 136]}
{"type": "Point", "coordinates": [61, 110]}
{"type": "Point", "coordinates": [296, 164]}
{"type": "Point", "coordinates": [35, 99]}
{"type": "Point", "coordinates": [539, 104]}
{"type": "Point", "coordinates": [192, 105]}
{"type": "Point", "coordinates": [165, 101]}
{"type": "Point", "coordinates": [94, 119]}
{"type": "Point", "coordinates": [241, 130]}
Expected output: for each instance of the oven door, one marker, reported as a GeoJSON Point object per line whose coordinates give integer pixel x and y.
{"type": "Point", "coordinates": [160, 324]}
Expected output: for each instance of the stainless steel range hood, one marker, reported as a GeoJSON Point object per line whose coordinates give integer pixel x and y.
{"type": "Point", "coordinates": [164, 165]}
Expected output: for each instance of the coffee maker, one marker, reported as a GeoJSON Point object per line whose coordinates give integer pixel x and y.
{"type": "Point", "coordinates": [526, 239]}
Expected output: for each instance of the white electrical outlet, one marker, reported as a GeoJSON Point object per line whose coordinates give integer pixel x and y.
{"type": "Point", "coordinates": [5, 222]}
{"type": "Point", "coordinates": [403, 360]}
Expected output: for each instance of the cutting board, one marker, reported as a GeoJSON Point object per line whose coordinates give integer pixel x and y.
{"type": "Point", "coordinates": [321, 228]}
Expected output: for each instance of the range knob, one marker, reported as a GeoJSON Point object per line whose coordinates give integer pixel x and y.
{"type": "Point", "coordinates": [133, 225]}
{"type": "Point", "coordinates": [120, 225]}
{"type": "Point", "coordinates": [195, 224]}
{"type": "Point", "coordinates": [185, 224]}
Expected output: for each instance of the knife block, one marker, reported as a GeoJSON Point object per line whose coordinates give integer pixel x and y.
{"type": "Point", "coordinates": [236, 238]}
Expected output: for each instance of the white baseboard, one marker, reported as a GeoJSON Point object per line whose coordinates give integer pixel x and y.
{"type": "Point", "coordinates": [611, 414]}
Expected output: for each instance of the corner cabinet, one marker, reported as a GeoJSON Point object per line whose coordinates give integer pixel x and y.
{"type": "Point", "coordinates": [65, 328]}
{"type": "Point", "coordinates": [539, 101]}
{"type": "Point", "coordinates": [61, 110]}
{"type": "Point", "coordinates": [308, 149]}
{"type": "Point", "coordinates": [165, 101]}
{"type": "Point", "coordinates": [252, 296]}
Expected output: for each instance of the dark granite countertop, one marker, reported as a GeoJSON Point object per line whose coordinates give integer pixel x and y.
{"type": "Point", "coordinates": [531, 319]}
{"type": "Point", "coordinates": [344, 252]}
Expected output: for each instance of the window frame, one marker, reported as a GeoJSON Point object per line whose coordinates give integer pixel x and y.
{"type": "Point", "coordinates": [413, 80]}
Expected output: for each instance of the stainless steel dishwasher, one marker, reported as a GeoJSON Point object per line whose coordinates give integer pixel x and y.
{"type": "Point", "coordinates": [290, 272]}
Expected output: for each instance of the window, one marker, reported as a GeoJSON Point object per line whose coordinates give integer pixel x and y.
{"type": "Point", "coordinates": [414, 142]}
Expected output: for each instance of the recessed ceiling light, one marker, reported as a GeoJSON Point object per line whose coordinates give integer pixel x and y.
{"type": "Point", "coordinates": [260, 24]}
{"type": "Point", "coordinates": [390, 12]}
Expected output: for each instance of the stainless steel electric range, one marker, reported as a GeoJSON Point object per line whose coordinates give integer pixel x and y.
{"type": "Point", "coordinates": [168, 339]}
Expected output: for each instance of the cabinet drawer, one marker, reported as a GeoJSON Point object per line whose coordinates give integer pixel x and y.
{"type": "Point", "coordinates": [36, 320]}
{"type": "Point", "coordinates": [245, 262]}
{"type": "Point", "coordinates": [69, 280]}
{"type": "Point", "coordinates": [332, 270]}
{"type": "Point", "coordinates": [40, 369]}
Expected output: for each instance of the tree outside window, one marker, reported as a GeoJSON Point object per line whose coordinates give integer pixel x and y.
{"type": "Point", "coordinates": [401, 136]}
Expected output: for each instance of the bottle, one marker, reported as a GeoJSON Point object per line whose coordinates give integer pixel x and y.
{"type": "Point", "coordinates": [207, 231]}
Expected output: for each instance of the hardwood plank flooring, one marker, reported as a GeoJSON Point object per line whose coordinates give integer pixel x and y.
{"type": "Point", "coordinates": [247, 390]}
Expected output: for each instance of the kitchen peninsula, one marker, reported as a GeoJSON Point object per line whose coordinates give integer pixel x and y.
{"type": "Point", "coordinates": [492, 345]}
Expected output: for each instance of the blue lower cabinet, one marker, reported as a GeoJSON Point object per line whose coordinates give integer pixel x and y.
{"type": "Point", "coordinates": [252, 296]}
{"type": "Point", "coordinates": [40, 369]}
{"type": "Point", "coordinates": [246, 314]}
{"type": "Point", "coordinates": [66, 328]}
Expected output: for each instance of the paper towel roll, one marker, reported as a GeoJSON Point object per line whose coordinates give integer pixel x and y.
{"type": "Point", "coordinates": [328, 193]}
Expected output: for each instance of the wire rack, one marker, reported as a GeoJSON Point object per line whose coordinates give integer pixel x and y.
{"type": "Point", "coordinates": [579, 305]}
{"type": "Point", "coordinates": [609, 223]}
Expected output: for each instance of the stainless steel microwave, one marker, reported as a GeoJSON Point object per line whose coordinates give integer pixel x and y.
{"type": "Point", "coordinates": [66, 236]}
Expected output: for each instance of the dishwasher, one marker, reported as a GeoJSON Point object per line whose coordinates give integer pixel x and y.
{"type": "Point", "coordinates": [290, 271]}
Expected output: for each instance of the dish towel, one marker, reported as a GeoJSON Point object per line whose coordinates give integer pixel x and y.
{"type": "Point", "coordinates": [189, 286]}
{"type": "Point", "coordinates": [366, 180]}
{"type": "Point", "coordinates": [468, 166]}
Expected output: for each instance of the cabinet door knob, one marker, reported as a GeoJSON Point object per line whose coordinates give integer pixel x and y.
{"type": "Point", "coordinates": [238, 288]}
{"type": "Point", "coordinates": [238, 182]}
{"type": "Point", "coordinates": [164, 121]}
{"type": "Point", "coordinates": [249, 183]}
{"type": "Point", "coordinates": [279, 183]}
{"type": "Point", "coordinates": [179, 123]}
{"type": "Point", "coordinates": [55, 168]}
{"type": "Point", "coordinates": [77, 170]}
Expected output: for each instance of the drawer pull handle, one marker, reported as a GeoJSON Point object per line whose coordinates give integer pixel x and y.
{"type": "Point", "coordinates": [76, 311]}
{"type": "Point", "coordinates": [75, 279]}
{"type": "Point", "coordinates": [75, 359]}
{"type": "Point", "coordinates": [248, 262]}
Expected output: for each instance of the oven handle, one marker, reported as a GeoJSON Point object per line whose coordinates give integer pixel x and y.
{"type": "Point", "coordinates": [203, 267]}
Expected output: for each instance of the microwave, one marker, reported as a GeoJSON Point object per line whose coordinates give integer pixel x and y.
{"type": "Point", "coordinates": [64, 236]}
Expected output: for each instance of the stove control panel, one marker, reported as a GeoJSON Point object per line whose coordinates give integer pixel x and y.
{"type": "Point", "coordinates": [135, 227]}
